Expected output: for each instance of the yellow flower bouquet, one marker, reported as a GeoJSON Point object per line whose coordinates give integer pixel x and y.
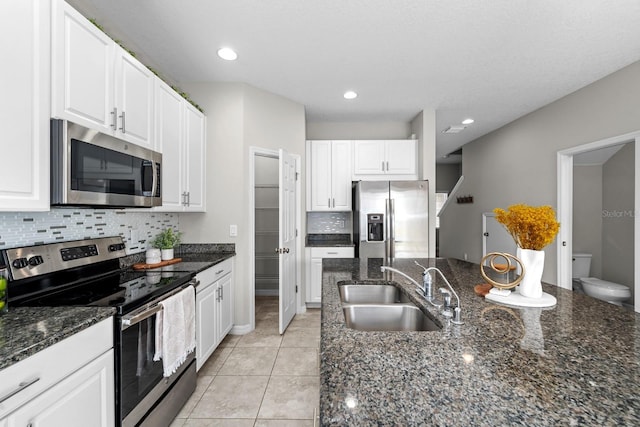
{"type": "Point", "coordinates": [532, 227]}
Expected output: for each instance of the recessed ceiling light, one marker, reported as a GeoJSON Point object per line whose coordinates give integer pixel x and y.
{"type": "Point", "coordinates": [227, 53]}
{"type": "Point", "coordinates": [350, 94]}
{"type": "Point", "coordinates": [467, 121]}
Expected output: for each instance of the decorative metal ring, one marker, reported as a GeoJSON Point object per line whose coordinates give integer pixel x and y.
{"type": "Point", "coordinates": [501, 270]}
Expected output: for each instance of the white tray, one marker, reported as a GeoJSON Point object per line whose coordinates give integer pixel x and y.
{"type": "Point", "coordinates": [517, 300]}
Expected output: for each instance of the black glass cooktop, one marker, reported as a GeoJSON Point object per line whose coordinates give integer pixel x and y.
{"type": "Point", "coordinates": [123, 290]}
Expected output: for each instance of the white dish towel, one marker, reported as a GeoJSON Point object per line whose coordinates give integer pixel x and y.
{"type": "Point", "coordinates": [176, 330]}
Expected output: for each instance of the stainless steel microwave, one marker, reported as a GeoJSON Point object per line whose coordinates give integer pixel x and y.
{"type": "Point", "coordinates": [89, 168]}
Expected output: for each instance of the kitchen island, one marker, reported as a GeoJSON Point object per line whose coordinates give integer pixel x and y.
{"type": "Point", "coordinates": [576, 363]}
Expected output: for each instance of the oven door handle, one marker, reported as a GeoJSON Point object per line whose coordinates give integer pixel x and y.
{"type": "Point", "coordinates": [128, 321]}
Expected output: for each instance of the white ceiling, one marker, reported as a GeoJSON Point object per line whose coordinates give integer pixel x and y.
{"type": "Point", "coordinates": [492, 60]}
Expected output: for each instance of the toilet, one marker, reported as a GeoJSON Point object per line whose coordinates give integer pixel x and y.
{"type": "Point", "coordinates": [613, 293]}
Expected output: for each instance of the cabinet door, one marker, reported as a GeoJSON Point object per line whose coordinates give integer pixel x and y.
{"type": "Point", "coordinates": [85, 398]}
{"type": "Point", "coordinates": [82, 70]}
{"type": "Point", "coordinates": [134, 99]}
{"type": "Point", "coordinates": [25, 105]}
{"type": "Point", "coordinates": [400, 157]}
{"type": "Point", "coordinates": [341, 175]}
{"type": "Point", "coordinates": [368, 158]}
{"type": "Point", "coordinates": [169, 137]}
{"type": "Point", "coordinates": [195, 152]}
{"type": "Point", "coordinates": [226, 306]}
{"type": "Point", "coordinates": [320, 175]}
{"type": "Point", "coordinates": [206, 321]}
{"type": "Point", "coordinates": [315, 291]}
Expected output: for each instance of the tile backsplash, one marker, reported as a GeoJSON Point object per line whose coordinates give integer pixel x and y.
{"type": "Point", "coordinates": [32, 228]}
{"type": "Point", "coordinates": [329, 222]}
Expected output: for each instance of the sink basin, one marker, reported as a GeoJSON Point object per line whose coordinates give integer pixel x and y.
{"type": "Point", "coordinates": [371, 294]}
{"type": "Point", "coordinates": [390, 317]}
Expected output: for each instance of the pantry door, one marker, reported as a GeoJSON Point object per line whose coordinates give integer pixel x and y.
{"type": "Point", "coordinates": [287, 238]}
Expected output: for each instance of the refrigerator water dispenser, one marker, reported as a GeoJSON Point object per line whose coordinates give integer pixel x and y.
{"type": "Point", "coordinates": [375, 228]}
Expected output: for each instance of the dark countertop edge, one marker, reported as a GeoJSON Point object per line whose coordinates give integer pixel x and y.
{"type": "Point", "coordinates": [14, 321]}
{"type": "Point", "coordinates": [328, 240]}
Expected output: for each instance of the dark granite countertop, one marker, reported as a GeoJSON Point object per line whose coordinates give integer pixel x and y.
{"type": "Point", "coordinates": [577, 363]}
{"type": "Point", "coordinates": [25, 331]}
{"type": "Point", "coordinates": [328, 240]}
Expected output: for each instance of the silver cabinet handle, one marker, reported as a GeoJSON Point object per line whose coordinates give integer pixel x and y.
{"type": "Point", "coordinates": [329, 202]}
{"type": "Point", "coordinates": [218, 294]}
{"type": "Point", "coordinates": [122, 118]}
{"type": "Point", "coordinates": [219, 271]}
{"type": "Point", "coordinates": [21, 386]}
{"type": "Point", "coordinates": [221, 293]}
{"type": "Point", "coordinates": [334, 202]}
{"type": "Point", "coordinates": [382, 166]}
{"type": "Point", "coordinates": [114, 118]}
{"type": "Point", "coordinates": [188, 198]}
{"type": "Point", "coordinates": [332, 253]}
{"type": "Point", "coordinates": [184, 198]}
{"type": "Point", "coordinates": [387, 166]}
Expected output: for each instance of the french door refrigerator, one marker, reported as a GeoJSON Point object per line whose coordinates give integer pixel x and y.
{"type": "Point", "coordinates": [391, 219]}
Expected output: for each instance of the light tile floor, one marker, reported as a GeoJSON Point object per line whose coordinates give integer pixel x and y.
{"type": "Point", "coordinates": [261, 379]}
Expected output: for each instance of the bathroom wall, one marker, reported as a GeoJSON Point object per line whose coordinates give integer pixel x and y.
{"type": "Point", "coordinates": [587, 214]}
{"type": "Point", "coordinates": [329, 223]}
{"type": "Point", "coordinates": [618, 200]}
{"type": "Point", "coordinates": [31, 228]}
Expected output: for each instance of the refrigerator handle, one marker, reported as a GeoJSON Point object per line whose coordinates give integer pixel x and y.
{"type": "Point", "coordinates": [386, 234]}
{"type": "Point", "coordinates": [392, 230]}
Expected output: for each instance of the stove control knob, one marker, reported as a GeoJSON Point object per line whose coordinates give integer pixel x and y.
{"type": "Point", "coordinates": [20, 263]}
{"type": "Point", "coordinates": [116, 247]}
{"type": "Point", "coordinates": [35, 260]}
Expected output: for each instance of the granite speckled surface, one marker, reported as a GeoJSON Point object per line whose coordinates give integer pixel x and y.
{"type": "Point", "coordinates": [207, 253]}
{"type": "Point", "coordinates": [26, 330]}
{"type": "Point", "coordinates": [328, 240]}
{"type": "Point", "coordinates": [573, 364]}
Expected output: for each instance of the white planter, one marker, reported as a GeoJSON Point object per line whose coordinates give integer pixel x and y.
{"type": "Point", "coordinates": [166, 254]}
{"type": "Point", "coordinates": [533, 262]}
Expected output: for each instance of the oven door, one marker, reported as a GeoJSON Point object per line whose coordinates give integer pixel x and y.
{"type": "Point", "coordinates": [140, 382]}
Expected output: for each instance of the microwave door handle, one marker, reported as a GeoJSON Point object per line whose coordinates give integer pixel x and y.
{"type": "Point", "coordinates": [154, 178]}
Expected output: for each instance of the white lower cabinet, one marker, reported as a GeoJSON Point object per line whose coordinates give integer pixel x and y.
{"type": "Point", "coordinates": [314, 270]}
{"type": "Point", "coordinates": [70, 383]}
{"type": "Point", "coordinates": [214, 309]}
{"type": "Point", "coordinates": [80, 400]}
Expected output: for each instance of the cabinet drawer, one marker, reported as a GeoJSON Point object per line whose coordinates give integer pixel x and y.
{"type": "Point", "coordinates": [211, 275]}
{"type": "Point", "coordinates": [53, 364]}
{"type": "Point", "coordinates": [339, 252]}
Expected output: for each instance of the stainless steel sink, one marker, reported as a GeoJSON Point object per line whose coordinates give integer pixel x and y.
{"type": "Point", "coordinates": [388, 317]}
{"type": "Point", "coordinates": [371, 294]}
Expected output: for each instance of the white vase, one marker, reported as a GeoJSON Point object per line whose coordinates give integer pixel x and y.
{"type": "Point", "coordinates": [533, 262]}
{"type": "Point", "coordinates": [166, 254]}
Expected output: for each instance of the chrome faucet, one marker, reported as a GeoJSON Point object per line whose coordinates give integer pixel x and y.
{"type": "Point", "coordinates": [457, 312]}
{"type": "Point", "coordinates": [419, 288]}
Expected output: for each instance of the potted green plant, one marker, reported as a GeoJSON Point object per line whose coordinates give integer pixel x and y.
{"type": "Point", "coordinates": [166, 241]}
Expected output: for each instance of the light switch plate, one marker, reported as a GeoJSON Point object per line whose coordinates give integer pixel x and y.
{"type": "Point", "coordinates": [233, 230]}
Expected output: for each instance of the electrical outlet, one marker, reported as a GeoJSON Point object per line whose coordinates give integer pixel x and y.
{"type": "Point", "coordinates": [134, 235]}
{"type": "Point", "coordinates": [465, 257]}
{"type": "Point", "coordinates": [233, 230]}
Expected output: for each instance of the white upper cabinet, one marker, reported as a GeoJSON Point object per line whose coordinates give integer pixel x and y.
{"type": "Point", "coordinates": [384, 158]}
{"type": "Point", "coordinates": [180, 136]}
{"type": "Point", "coordinates": [169, 141]}
{"type": "Point", "coordinates": [25, 105]}
{"type": "Point", "coordinates": [96, 83]}
{"type": "Point", "coordinates": [134, 99]}
{"type": "Point", "coordinates": [195, 152]}
{"type": "Point", "coordinates": [330, 171]}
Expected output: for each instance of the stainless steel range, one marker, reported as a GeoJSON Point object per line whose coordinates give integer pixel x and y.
{"type": "Point", "coordinates": [88, 273]}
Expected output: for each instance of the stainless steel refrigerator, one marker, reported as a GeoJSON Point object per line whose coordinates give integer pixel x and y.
{"type": "Point", "coordinates": [391, 219]}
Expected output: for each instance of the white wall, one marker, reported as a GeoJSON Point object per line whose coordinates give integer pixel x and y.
{"type": "Point", "coordinates": [517, 163]}
{"type": "Point", "coordinates": [447, 176]}
{"type": "Point", "coordinates": [239, 116]}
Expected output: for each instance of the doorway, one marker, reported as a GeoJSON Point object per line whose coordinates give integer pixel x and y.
{"type": "Point", "coordinates": [274, 211]}
{"type": "Point", "coordinates": [572, 174]}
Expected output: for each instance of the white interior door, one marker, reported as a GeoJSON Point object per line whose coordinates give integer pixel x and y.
{"type": "Point", "coordinates": [287, 238]}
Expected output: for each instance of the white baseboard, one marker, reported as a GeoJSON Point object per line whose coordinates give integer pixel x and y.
{"type": "Point", "coordinates": [240, 329]}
